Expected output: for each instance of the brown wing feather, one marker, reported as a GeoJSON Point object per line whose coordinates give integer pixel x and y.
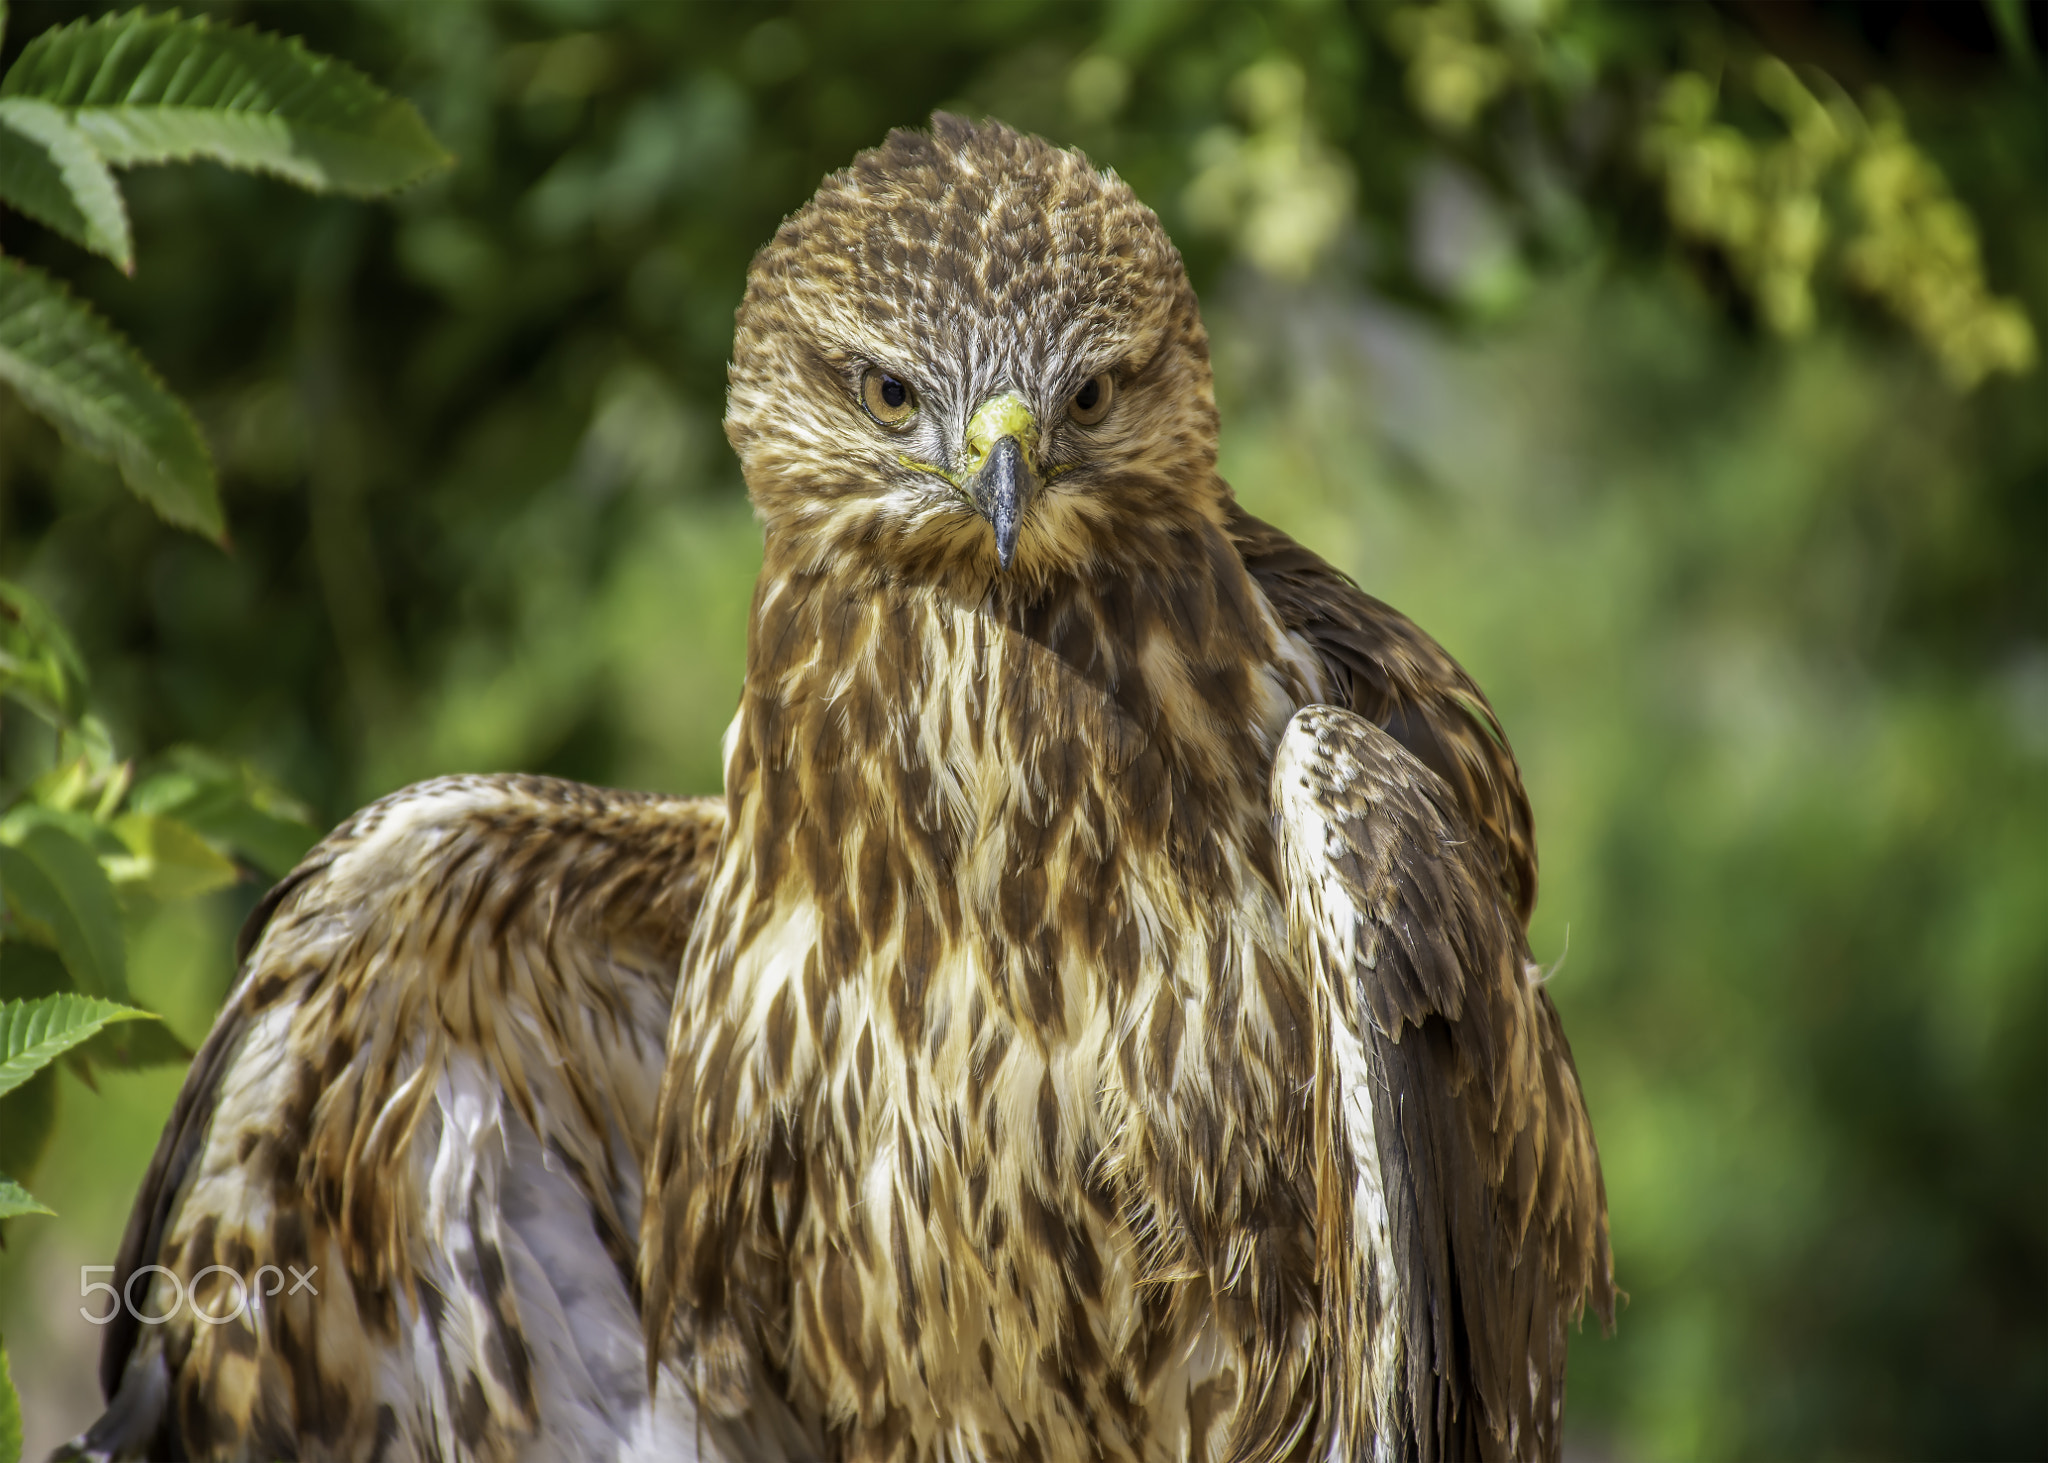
{"type": "Point", "coordinates": [1462, 1215]}
{"type": "Point", "coordinates": [1382, 666]}
{"type": "Point", "coordinates": [491, 952]}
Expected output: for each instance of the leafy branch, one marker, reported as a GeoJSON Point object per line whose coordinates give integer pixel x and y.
{"type": "Point", "coordinates": [87, 847]}
{"type": "Point", "coordinates": [1778, 172]}
{"type": "Point", "coordinates": [132, 89]}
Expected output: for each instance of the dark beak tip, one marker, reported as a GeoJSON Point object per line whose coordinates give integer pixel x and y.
{"type": "Point", "coordinates": [1006, 526]}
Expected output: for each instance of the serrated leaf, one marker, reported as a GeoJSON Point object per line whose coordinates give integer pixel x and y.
{"type": "Point", "coordinates": [14, 1199]}
{"type": "Point", "coordinates": [27, 1116]}
{"type": "Point", "coordinates": [167, 859]}
{"type": "Point", "coordinates": [75, 369]}
{"type": "Point", "coordinates": [50, 171]}
{"type": "Point", "coordinates": [35, 1033]}
{"type": "Point", "coordinates": [29, 1112]}
{"type": "Point", "coordinates": [39, 666]}
{"type": "Point", "coordinates": [161, 88]}
{"type": "Point", "coordinates": [61, 897]}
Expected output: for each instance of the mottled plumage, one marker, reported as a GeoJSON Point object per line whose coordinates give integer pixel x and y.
{"type": "Point", "coordinates": [1054, 1073]}
{"type": "Point", "coordinates": [431, 1093]}
{"type": "Point", "coordinates": [1104, 1025]}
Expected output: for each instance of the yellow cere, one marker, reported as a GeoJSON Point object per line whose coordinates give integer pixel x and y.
{"type": "Point", "coordinates": [999, 417]}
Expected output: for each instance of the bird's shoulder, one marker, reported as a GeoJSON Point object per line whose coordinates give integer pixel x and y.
{"type": "Point", "coordinates": [628, 860]}
{"type": "Point", "coordinates": [1376, 661]}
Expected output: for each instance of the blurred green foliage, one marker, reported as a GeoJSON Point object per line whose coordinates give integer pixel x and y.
{"type": "Point", "coordinates": [1675, 365]}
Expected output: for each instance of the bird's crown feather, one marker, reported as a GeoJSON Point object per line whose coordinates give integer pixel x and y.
{"type": "Point", "coordinates": [939, 273]}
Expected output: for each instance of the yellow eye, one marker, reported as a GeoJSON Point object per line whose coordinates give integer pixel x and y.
{"type": "Point", "coordinates": [889, 399]}
{"type": "Point", "coordinates": [1090, 404]}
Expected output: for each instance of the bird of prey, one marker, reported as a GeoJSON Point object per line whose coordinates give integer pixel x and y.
{"type": "Point", "coordinates": [1097, 1022]}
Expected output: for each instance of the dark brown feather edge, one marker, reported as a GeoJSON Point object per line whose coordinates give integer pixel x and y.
{"type": "Point", "coordinates": [1380, 664]}
{"type": "Point", "coordinates": [1497, 1209]}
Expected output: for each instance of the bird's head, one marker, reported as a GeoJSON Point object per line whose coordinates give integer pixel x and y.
{"type": "Point", "coordinates": [972, 349]}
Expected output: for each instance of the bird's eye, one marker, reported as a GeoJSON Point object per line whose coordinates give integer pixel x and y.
{"type": "Point", "coordinates": [1091, 403]}
{"type": "Point", "coordinates": [888, 399]}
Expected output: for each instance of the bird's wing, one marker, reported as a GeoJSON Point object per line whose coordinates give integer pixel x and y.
{"type": "Point", "coordinates": [1380, 664]}
{"type": "Point", "coordinates": [1462, 1219]}
{"type": "Point", "coordinates": [413, 1145]}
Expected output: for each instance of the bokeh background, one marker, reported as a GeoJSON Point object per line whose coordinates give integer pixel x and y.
{"type": "Point", "coordinates": [1673, 364]}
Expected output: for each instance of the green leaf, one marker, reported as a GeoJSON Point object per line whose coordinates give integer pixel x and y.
{"type": "Point", "coordinates": [75, 369]}
{"type": "Point", "coordinates": [29, 1111]}
{"type": "Point", "coordinates": [10, 1402]}
{"type": "Point", "coordinates": [39, 666]}
{"type": "Point", "coordinates": [35, 1033]}
{"type": "Point", "coordinates": [85, 789]}
{"type": "Point", "coordinates": [26, 815]}
{"type": "Point", "coordinates": [49, 170]}
{"type": "Point", "coordinates": [161, 88]}
{"type": "Point", "coordinates": [229, 803]}
{"type": "Point", "coordinates": [61, 897]}
{"type": "Point", "coordinates": [14, 1199]}
{"type": "Point", "coordinates": [167, 859]}
{"type": "Point", "coordinates": [272, 843]}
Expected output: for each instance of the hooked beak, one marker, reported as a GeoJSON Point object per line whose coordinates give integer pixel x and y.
{"type": "Point", "coordinates": [1000, 474]}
